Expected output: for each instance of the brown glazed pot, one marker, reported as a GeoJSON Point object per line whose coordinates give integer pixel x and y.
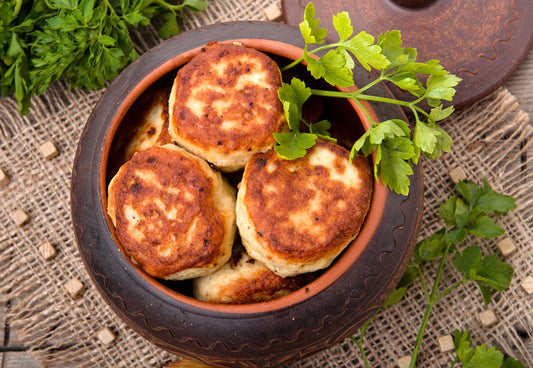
{"type": "Point", "coordinates": [265, 334]}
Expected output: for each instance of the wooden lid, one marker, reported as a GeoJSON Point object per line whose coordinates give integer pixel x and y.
{"type": "Point", "coordinates": [481, 41]}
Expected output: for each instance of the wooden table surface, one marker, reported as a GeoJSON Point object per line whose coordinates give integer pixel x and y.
{"type": "Point", "coordinates": [14, 354]}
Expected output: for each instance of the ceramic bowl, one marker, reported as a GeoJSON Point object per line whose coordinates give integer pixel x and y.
{"type": "Point", "coordinates": [267, 334]}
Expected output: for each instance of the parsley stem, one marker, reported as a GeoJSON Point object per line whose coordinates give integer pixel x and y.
{"type": "Point", "coordinates": [359, 343]}
{"type": "Point", "coordinates": [362, 332]}
{"type": "Point", "coordinates": [365, 111]}
{"type": "Point", "coordinates": [422, 280]}
{"type": "Point", "coordinates": [433, 298]}
{"type": "Point", "coordinates": [18, 5]}
{"type": "Point", "coordinates": [450, 289]}
{"type": "Point", "coordinates": [293, 64]}
{"type": "Point", "coordinates": [371, 84]}
{"type": "Point", "coordinates": [358, 96]}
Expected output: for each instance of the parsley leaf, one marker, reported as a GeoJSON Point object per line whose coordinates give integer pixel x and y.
{"type": "Point", "coordinates": [85, 42]}
{"type": "Point", "coordinates": [292, 145]}
{"type": "Point", "coordinates": [478, 357]}
{"type": "Point", "coordinates": [488, 272]}
{"type": "Point", "coordinates": [392, 163]}
{"type": "Point", "coordinates": [391, 45]}
{"type": "Point", "coordinates": [332, 67]}
{"type": "Point", "coordinates": [396, 147]}
{"type": "Point", "coordinates": [309, 27]}
{"type": "Point", "coordinates": [462, 214]}
{"type": "Point", "coordinates": [512, 363]}
{"type": "Point", "coordinates": [431, 248]}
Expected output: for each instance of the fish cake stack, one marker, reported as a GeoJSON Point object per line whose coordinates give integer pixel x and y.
{"type": "Point", "coordinates": [176, 215]}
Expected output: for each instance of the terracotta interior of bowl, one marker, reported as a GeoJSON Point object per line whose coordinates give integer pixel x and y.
{"type": "Point", "coordinates": [348, 123]}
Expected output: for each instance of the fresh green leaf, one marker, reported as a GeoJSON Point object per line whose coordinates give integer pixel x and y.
{"type": "Point", "coordinates": [431, 247]}
{"type": "Point", "coordinates": [309, 27]}
{"type": "Point", "coordinates": [485, 358]}
{"type": "Point", "coordinates": [363, 48]}
{"type": "Point", "coordinates": [444, 142]}
{"type": "Point", "coordinates": [136, 18]}
{"type": "Point", "coordinates": [426, 137]}
{"type": "Point", "coordinates": [438, 113]}
{"type": "Point", "coordinates": [463, 345]}
{"type": "Point", "coordinates": [395, 297]}
{"type": "Point", "coordinates": [391, 46]}
{"type": "Point", "coordinates": [87, 7]}
{"type": "Point", "coordinates": [441, 87]}
{"type": "Point", "coordinates": [492, 202]}
{"type": "Point", "coordinates": [292, 145]}
{"type": "Point", "coordinates": [456, 236]}
{"type": "Point", "coordinates": [321, 129]}
{"type": "Point", "coordinates": [488, 272]}
{"type": "Point", "coordinates": [408, 82]}
{"type": "Point", "coordinates": [468, 262]}
{"type": "Point", "coordinates": [480, 356]}
{"type": "Point", "coordinates": [293, 96]}
{"type": "Point", "coordinates": [456, 212]}
{"type": "Point", "coordinates": [408, 277]}
{"type": "Point", "coordinates": [64, 4]}
{"type": "Point", "coordinates": [343, 25]}
{"type": "Point", "coordinates": [170, 27]}
{"type": "Point", "coordinates": [374, 136]}
{"type": "Point", "coordinates": [512, 363]}
{"type": "Point", "coordinates": [430, 67]}
{"type": "Point", "coordinates": [393, 158]}
{"type": "Point", "coordinates": [332, 67]}
{"type": "Point", "coordinates": [494, 273]}
{"type": "Point", "coordinates": [485, 227]}
{"type": "Point", "coordinates": [194, 5]}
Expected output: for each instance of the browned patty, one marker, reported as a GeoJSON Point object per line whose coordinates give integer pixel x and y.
{"type": "Point", "coordinates": [297, 216]}
{"type": "Point", "coordinates": [173, 214]}
{"type": "Point", "coordinates": [224, 104]}
{"type": "Point", "coordinates": [244, 280]}
{"type": "Point", "coordinates": [146, 124]}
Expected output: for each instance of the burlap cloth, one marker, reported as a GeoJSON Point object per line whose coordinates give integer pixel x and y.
{"type": "Point", "coordinates": [492, 140]}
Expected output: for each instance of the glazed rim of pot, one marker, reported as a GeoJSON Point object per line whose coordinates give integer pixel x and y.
{"type": "Point", "coordinates": [338, 267]}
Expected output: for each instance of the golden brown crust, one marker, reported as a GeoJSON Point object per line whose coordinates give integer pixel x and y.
{"type": "Point", "coordinates": [164, 207]}
{"type": "Point", "coordinates": [224, 104]}
{"type": "Point", "coordinates": [300, 211]}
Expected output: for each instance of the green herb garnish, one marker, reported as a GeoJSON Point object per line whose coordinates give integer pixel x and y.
{"type": "Point", "coordinates": [471, 212]}
{"type": "Point", "coordinates": [86, 42]}
{"type": "Point", "coordinates": [397, 148]}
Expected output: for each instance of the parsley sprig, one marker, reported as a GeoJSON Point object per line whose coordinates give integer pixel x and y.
{"type": "Point", "coordinates": [470, 212]}
{"type": "Point", "coordinates": [86, 42]}
{"type": "Point", "coordinates": [396, 146]}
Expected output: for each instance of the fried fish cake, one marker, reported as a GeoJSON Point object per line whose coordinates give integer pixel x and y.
{"type": "Point", "coordinates": [224, 105]}
{"type": "Point", "coordinates": [297, 216]}
{"type": "Point", "coordinates": [174, 215]}
{"type": "Point", "coordinates": [146, 124]}
{"type": "Point", "coordinates": [244, 280]}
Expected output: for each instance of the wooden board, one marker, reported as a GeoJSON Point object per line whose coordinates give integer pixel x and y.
{"type": "Point", "coordinates": [482, 41]}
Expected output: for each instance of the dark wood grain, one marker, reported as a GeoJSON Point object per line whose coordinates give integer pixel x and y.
{"type": "Point", "coordinates": [482, 41]}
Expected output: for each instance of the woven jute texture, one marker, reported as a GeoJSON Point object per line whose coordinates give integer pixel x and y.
{"type": "Point", "coordinates": [492, 140]}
